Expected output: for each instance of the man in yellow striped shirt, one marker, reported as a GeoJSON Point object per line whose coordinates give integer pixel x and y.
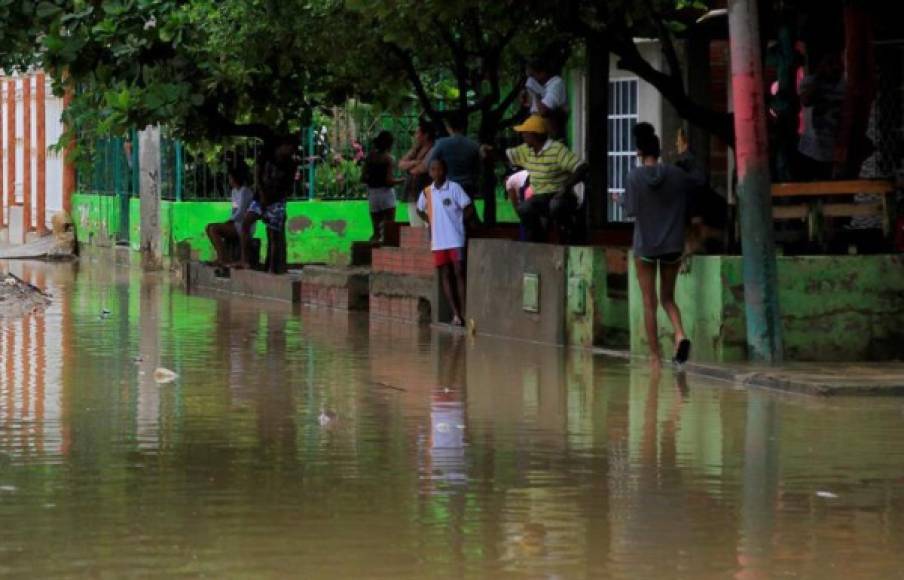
{"type": "Point", "coordinates": [554, 171]}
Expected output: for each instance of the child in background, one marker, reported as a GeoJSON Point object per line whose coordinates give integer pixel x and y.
{"type": "Point", "coordinates": [445, 206]}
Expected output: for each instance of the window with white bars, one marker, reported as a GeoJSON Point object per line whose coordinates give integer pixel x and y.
{"type": "Point", "coordinates": [622, 155]}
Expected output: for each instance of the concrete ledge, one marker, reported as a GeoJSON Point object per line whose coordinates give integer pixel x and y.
{"type": "Point", "coordinates": [390, 284]}
{"type": "Point", "coordinates": [816, 379]}
{"type": "Point", "coordinates": [410, 298]}
{"type": "Point", "coordinates": [340, 288]}
{"type": "Point", "coordinates": [813, 379]}
{"type": "Point", "coordinates": [285, 288]}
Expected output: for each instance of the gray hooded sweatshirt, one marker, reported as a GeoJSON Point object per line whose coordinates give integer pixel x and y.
{"type": "Point", "coordinates": [657, 197]}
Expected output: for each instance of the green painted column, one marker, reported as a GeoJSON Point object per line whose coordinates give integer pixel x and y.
{"type": "Point", "coordinates": [764, 331]}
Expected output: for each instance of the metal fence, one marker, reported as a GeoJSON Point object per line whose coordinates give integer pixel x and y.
{"type": "Point", "coordinates": [329, 158]}
{"type": "Point", "coordinates": [114, 167]}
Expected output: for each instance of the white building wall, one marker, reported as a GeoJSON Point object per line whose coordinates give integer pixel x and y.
{"type": "Point", "coordinates": [649, 101]}
{"type": "Point", "coordinates": [53, 114]}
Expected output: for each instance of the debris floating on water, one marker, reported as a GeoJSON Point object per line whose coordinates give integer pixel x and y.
{"type": "Point", "coordinates": [18, 297]}
{"type": "Point", "coordinates": [163, 376]}
{"type": "Point", "coordinates": [326, 417]}
{"type": "Point", "coordinates": [826, 494]}
{"type": "Point", "coordinates": [387, 386]}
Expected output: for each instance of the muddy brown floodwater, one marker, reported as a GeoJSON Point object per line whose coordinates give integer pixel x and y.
{"type": "Point", "coordinates": [317, 445]}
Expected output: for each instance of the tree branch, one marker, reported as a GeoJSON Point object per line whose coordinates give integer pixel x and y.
{"type": "Point", "coordinates": [459, 60]}
{"type": "Point", "coordinates": [411, 72]}
{"type": "Point", "coordinates": [672, 89]}
{"type": "Point", "coordinates": [668, 45]}
{"type": "Point", "coordinates": [511, 96]}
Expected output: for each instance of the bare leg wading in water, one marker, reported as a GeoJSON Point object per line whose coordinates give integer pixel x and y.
{"type": "Point", "coordinates": [668, 276]}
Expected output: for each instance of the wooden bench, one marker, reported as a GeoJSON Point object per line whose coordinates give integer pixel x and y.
{"type": "Point", "coordinates": [817, 206]}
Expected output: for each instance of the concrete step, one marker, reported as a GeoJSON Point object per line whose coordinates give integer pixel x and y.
{"type": "Point", "coordinates": [362, 253]}
{"type": "Point", "coordinates": [413, 309]}
{"type": "Point", "coordinates": [337, 288]}
{"type": "Point", "coordinates": [409, 261]}
{"type": "Point", "coordinates": [414, 237]}
{"type": "Point", "coordinates": [285, 287]}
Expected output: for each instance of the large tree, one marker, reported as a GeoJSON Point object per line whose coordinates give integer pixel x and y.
{"type": "Point", "coordinates": [206, 69]}
{"type": "Point", "coordinates": [479, 47]}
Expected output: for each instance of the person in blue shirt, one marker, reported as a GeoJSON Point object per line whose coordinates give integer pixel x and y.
{"type": "Point", "coordinates": [460, 154]}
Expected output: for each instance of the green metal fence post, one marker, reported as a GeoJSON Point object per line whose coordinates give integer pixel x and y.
{"type": "Point", "coordinates": [180, 168]}
{"type": "Point", "coordinates": [133, 135]}
{"type": "Point", "coordinates": [121, 190]}
{"type": "Point", "coordinates": [311, 165]}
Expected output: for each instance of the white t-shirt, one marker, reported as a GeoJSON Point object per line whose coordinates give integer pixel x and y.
{"type": "Point", "coordinates": [447, 231]}
{"type": "Point", "coordinates": [553, 94]}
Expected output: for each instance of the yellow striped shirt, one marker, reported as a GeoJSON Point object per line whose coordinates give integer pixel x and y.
{"type": "Point", "coordinates": [549, 169]}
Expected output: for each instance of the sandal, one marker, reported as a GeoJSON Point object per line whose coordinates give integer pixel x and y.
{"type": "Point", "coordinates": [683, 352]}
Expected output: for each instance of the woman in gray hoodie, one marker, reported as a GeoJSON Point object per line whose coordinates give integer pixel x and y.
{"type": "Point", "coordinates": [657, 197]}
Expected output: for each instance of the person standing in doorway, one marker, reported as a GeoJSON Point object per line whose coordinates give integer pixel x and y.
{"type": "Point", "coordinates": [656, 195]}
{"type": "Point", "coordinates": [445, 206]}
{"type": "Point", "coordinates": [380, 181]}
{"type": "Point", "coordinates": [417, 177]}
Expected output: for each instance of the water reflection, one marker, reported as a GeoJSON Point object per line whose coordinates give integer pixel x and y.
{"type": "Point", "coordinates": [319, 444]}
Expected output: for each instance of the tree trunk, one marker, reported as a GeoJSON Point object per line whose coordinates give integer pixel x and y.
{"type": "Point", "coordinates": [860, 90]}
{"type": "Point", "coordinates": [698, 79]}
{"type": "Point", "coordinates": [597, 189]}
{"type": "Point", "coordinates": [489, 127]}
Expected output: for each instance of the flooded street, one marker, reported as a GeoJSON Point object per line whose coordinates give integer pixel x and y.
{"type": "Point", "coordinates": [313, 444]}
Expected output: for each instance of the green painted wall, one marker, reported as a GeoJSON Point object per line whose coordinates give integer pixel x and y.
{"type": "Point", "coordinates": [594, 316]}
{"type": "Point", "coordinates": [96, 218]}
{"type": "Point", "coordinates": [317, 231]}
{"type": "Point", "coordinates": [834, 308]}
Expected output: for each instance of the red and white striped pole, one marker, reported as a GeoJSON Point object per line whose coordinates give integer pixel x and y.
{"type": "Point", "coordinates": [764, 327]}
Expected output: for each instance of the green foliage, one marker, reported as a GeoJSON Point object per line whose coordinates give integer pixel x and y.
{"type": "Point", "coordinates": [207, 69]}
{"type": "Point", "coordinates": [211, 70]}
{"type": "Point", "coordinates": [468, 55]}
{"type": "Point", "coordinates": [339, 180]}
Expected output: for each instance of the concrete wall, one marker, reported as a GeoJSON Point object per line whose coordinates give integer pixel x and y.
{"type": "Point", "coordinates": [318, 231]}
{"type": "Point", "coordinates": [496, 270]}
{"type": "Point", "coordinates": [834, 308]}
{"type": "Point", "coordinates": [597, 312]}
{"type": "Point", "coordinates": [577, 305]}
